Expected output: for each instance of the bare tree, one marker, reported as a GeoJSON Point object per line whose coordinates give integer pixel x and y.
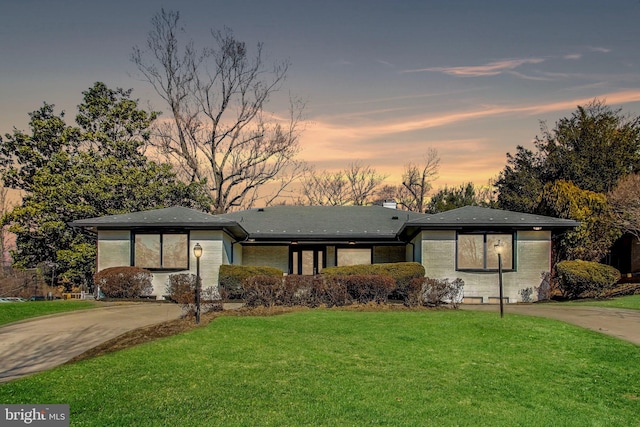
{"type": "Point", "coordinates": [5, 246]}
{"type": "Point", "coordinates": [417, 179]}
{"type": "Point", "coordinates": [218, 128]}
{"type": "Point", "coordinates": [624, 200]}
{"type": "Point", "coordinates": [352, 186]}
{"type": "Point", "coordinates": [324, 189]}
{"type": "Point", "coordinates": [363, 181]}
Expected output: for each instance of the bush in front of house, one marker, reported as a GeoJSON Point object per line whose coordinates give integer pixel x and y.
{"type": "Point", "coordinates": [124, 282]}
{"type": "Point", "coordinates": [332, 292]}
{"type": "Point", "coordinates": [181, 289]}
{"type": "Point", "coordinates": [585, 279]}
{"type": "Point", "coordinates": [263, 290]}
{"type": "Point", "coordinates": [437, 292]}
{"type": "Point", "coordinates": [365, 288]}
{"type": "Point", "coordinates": [231, 277]}
{"type": "Point", "coordinates": [402, 272]}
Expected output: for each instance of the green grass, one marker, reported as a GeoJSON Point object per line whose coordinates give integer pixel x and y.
{"type": "Point", "coordinates": [630, 302]}
{"type": "Point", "coordinates": [328, 367]}
{"type": "Point", "coordinates": [12, 312]}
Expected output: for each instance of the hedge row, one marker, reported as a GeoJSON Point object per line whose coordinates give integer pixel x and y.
{"type": "Point", "coordinates": [401, 272]}
{"type": "Point", "coordinates": [231, 277]}
{"type": "Point", "coordinates": [313, 291]}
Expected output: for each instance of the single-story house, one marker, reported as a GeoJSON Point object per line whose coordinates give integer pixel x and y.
{"type": "Point", "coordinates": [305, 239]}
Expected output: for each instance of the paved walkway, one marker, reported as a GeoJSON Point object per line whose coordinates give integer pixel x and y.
{"type": "Point", "coordinates": [619, 322]}
{"type": "Point", "coordinates": [39, 344]}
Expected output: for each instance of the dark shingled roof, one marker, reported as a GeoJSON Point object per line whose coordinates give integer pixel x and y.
{"type": "Point", "coordinates": [322, 222]}
{"type": "Point", "coordinates": [476, 216]}
{"type": "Point", "coordinates": [176, 216]}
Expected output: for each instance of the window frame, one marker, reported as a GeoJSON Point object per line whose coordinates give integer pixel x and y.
{"type": "Point", "coordinates": [161, 254]}
{"type": "Point", "coordinates": [485, 251]}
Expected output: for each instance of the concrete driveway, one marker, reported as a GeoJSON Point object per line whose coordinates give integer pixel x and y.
{"type": "Point", "coordinates": [39, 344]}
{"type": "Point", "coordinates": [619, 322]}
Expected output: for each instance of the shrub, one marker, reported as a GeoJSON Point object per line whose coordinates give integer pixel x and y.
{"type": "Point", "coordinates": [331, 291]}
{"type": "Point", "coordinates": [401, 272]}
{"type": "Point", "coordinates": [545, 289]}
{"type": "Point", "coordinates": [231, 277]}
{"type": "Point", "coordinates": [364, 288]}
{"type": "Point", "coordinates": [585, 279]}
{"type": "Point", "coordinates": [302, 290]}
{"type": "Point", "coordinates": [263, 290]}
{"type": "Point", "coordinates": [124, 282]}
{"type": "Point", "coordinates": [181, 288]}
{"type": "Point", "coordinates": [436, 292]}
{"type": "Point", "coordinates": [525, 294]}
{"type": "Point", "coordinates": [411, 294]}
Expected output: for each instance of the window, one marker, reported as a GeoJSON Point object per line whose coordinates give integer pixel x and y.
{"type": "Point", "coordinates": [353, 256]}
{"type": "Point", "coordinates": [477, 252]}
{"type": "Point", "coordinates": [162, 251]}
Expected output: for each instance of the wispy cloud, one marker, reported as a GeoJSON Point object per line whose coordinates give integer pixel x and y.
{"type": "Point", "coordinates": [490, 69]}
{"type": "Point", "coordinates": [327, 129]}
{"type": "Point", "coordinates": [599, 49]}
{"type": "Point", "coordinates": [573, 56]}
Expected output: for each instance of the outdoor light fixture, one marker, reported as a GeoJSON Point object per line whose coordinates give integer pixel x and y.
{"type": "Point", "coordinates": [197, 252]}
{"type": "Point", "coordinates": [499, 248]}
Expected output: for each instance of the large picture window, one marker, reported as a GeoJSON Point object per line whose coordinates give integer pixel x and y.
{"type": "Point", "coordinates": [477, 251]}
{"type": "Point", "coordinates": [162, 251]}
{"type": "Point", "coordinates": [354, 256]}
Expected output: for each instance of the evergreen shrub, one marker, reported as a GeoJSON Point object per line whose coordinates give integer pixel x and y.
{"type": "Point", "coordinates": [585, 279]}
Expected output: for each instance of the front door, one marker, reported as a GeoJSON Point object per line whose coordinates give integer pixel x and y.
{"type": "Point", "coordinates": [307, 261]}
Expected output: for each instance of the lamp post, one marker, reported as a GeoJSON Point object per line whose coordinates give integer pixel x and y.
{"type": "Point", "coordinates": [197, 251]}
{"type": "Point", "coordinates": [499, 248]}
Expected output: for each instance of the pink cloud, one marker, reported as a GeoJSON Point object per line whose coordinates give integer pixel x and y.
{"type": "Point", "coordinates": [490, 69]}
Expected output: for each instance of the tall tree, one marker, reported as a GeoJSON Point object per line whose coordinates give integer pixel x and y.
{"type": "Point", "coordinates": [354, 185]}
{"type": "Point", "coordinates": [598, 230]}
{"type": "Point", "coordinates": [580, 160]}
{"type": "Point", "coordinates": [624, 200]}
{"type": "Point", "coordinates": [100, 171]}
{"type": "Point", "coordinates": [448, 198]}
{"type": "Point", "coordinates": [593, 148]}
{"type": "Point", "coordinates": [23, 154]}
{"type": "Point", "coordinates": [218, 127]}
{"type": "Point", "coordinates": [417, 181]}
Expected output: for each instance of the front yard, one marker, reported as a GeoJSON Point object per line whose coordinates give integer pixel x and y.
{"type": "Point", "coordinates": [338, 367]}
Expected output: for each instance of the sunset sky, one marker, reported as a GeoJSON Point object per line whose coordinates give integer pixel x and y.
{"type": "Point", "coordinates": [384, 80]}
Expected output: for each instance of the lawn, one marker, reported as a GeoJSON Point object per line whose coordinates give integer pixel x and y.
{"type": "Point", "coordinates": [14, 311]}
{"type": "Point", "coordinates": [631, 302]}
{"type": "Point", "coordinates": [331, 367]}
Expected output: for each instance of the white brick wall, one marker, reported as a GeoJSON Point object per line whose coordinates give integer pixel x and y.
{"type": "Point", "coordinates": [533, 249]}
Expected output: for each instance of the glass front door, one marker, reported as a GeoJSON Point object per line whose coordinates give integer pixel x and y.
{"type": "Point", "coordinates": [307, 262]}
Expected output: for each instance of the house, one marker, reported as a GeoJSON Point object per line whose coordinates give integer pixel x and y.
{"type": "Point", "coordinates": [305, 239]}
